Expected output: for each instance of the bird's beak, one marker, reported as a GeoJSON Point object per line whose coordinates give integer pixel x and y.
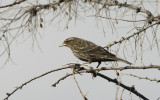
{"type": "Point", "coordinates": [62, 45]}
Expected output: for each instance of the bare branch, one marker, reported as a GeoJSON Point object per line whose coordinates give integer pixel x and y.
{"type": "Point", "coordinates": [82, 70]}
{"type": "Point", "coordinates": [134, 34]}
{"type": "Point", "coordinates": [129, 67]}
{"type": "Point", "coordinates": [107, 68]}
{"type": "Point", "coordinates": [62, 78]}
{"type": "Point", "coordinates": [131, 89]}
{"type": "Point", "coordinates": [119, 19]}
{"type": "Point", "coordinates": [145, 78]}
{"type": "Point", "coordinates": [84, 97]}
{"type": "Point", "coordinates": [14, 3]}
{"type": "Point", "coordinates": [21, 86]}
{"type": "Point", "coordinates": [125, 5]}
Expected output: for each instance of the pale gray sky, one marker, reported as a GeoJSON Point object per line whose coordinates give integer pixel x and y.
{"type": "Point", "coordinates": [29, 62]}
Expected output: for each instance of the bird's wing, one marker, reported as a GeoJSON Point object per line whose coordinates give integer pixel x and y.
{"type": "Point", "coordinates": [99, 51]}
{"type": "Point", "coordinates": [83, 46]}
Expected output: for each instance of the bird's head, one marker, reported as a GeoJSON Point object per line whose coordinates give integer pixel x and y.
{"type": "Point", "coordinates": [68, 42]}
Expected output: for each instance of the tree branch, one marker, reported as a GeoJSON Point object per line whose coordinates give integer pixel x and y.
{"type": "Point", "coordinates": [62, 78]}
{"type": "Point", "coordinates": [134, 34]}
{"type": "Point", "coordinates": [21, 86]}
{"type": "Point", "coordinates": [146, 78]}
{"type": "Point", "coordinates": [122, 68]}
{"type": "Point", "coordinates": [84, 97]}
{"type": "Point", "coordinates": [12, 4]}
{"type": "Point", "coordinates": [81, 70]}
{"type": "Point", "coordinates": [116, 3]}
{"type": "Point", "coordinates": [131, 89]}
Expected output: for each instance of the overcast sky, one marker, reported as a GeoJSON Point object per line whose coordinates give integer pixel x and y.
{"type": "Point", "coordinates": [29, 61]}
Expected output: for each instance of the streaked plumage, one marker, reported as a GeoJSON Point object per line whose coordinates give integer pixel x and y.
{"type": "Point", "coordinates": [90, 52]}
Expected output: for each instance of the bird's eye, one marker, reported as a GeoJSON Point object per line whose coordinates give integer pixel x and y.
{"type": "Point", "coordinates": [68, 40]}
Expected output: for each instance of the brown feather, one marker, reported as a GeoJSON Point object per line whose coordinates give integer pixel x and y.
{"type": "Point", "coordinates": [90, 52]}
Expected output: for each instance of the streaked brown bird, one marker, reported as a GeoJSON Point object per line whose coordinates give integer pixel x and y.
{"type": "Point", "coordinates": [90, 52]}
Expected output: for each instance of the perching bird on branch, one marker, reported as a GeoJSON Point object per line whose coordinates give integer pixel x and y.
{"type": "Point", "coordinates": [90, 52]}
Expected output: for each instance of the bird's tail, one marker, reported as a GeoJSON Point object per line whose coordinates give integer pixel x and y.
{"type": "Point", "coordinates": [124, 61]}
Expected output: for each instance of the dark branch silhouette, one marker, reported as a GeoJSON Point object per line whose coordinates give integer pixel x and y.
{"type": "Point", "coordinates": [83, 70]}
{"type": "Point", "coordinates": [131, 89]}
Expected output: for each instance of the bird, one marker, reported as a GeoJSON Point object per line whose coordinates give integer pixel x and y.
{"type": "Point", "coordinates": [90, 52]}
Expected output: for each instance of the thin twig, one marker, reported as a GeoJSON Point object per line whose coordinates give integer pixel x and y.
{"type": "Point", "coordinates": [122, 68]}
{"type": "Point", "coordinates": [12, 4]}
{"type": "Point", "coordinates": [119, 19]}
{"type": "Point", "coordinates": [131, 89]}
{"type": "Point", "coordinates": [134, 34]}
{"type": "Point", "coordinates": [125, 5]}
{"type": "Point", "coordinates": [121, 94]}
{"type": "Point", "coordinates": [21, 86]}
{"type": "Point", "coordinates": [92, 70]}
{"type": "Point", "coordinates": [146, 78]}
{"type": "Point", "coordinates": [84, 97]}
{"type": "Point", "coordinates": [62, 78]}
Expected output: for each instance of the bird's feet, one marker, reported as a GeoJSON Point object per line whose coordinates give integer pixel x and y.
{"type": "Point", "coordinates": [93, 72]}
